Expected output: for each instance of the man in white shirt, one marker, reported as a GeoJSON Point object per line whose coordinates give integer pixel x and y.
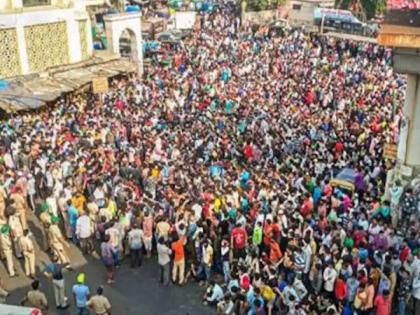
{"type": "Point", "coordinates": [31, 191]}
{"type": "Point", "coordinates": [135, 241]}
{"type": "Point", "coordinates": [84, 231]}
{"type": "Point", "coordinates": [164, 261]}
{"type": "Point", "coordinates": [52, 205]}
{"type": "Point", "coordinates": [226, 306]}
{"type": "Point", "coordinates": [307, 254]}
{"type": "Point", "coordinates": [329, 275]}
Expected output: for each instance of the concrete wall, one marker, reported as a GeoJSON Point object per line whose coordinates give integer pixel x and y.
{"type": "Point", "coordinates": [303, 15]}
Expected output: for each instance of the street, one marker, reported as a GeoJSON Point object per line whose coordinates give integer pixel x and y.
{"type": "Point", "coordinates": [135, 291]}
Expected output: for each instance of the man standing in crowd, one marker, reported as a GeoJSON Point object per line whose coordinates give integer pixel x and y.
{"type": "Point", "coordinates": [178, 271]}
{"type": "Point", "coordinates": [81, 295]}
{"type": "Point", "coordinates": [135, 241]}
{"type": "Point", "coordinates": [54, 271]}
{"type": "Point", "coordinates": [164, 261]}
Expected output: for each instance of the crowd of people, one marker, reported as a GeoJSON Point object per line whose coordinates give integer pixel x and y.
{"type": "Point", "coordinates": [222, 163]}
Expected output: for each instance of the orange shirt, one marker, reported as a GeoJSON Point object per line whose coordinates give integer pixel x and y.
{"type": "Point", "coordinates": [275, 253]}
{"type": "Point", "coordinates": [178, 249]}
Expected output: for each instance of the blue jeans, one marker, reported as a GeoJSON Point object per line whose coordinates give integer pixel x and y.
{"type": "Point", "coordinates": [402, 306]}
{"type": "Point", "coordinates": [74, 236]}
{"type": "Point", "coordinates": [82, 311]}
{"type": "Point", "coordinates": [204, 268]}
{"type": "Point", "coordinates": [226, 271]}
{"type": "Point", "coordinates": [116, 257]}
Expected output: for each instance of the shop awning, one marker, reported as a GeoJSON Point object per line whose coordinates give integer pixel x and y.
{"type": "Point", "coordinates": [34, 91]}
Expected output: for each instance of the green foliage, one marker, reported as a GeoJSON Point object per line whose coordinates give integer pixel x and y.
{"type": "Point", "coordinates": [260, 5]}
{"type": "Point", "coordinates": [370, 7]}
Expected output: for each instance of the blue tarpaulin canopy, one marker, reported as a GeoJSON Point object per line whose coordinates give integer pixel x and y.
{"type": "Point", "coordinates": [347, 174]}
{"type": "Point", "coordinates": [345, 179]}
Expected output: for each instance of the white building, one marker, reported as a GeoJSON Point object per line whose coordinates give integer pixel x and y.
{"type": "Point", "coordinates": [39, 34]}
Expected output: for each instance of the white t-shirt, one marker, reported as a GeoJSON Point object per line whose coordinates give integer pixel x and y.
{"type": "Point", "coordinates": [135, 238]}
{"type": "Point", "coordinates": [83, 227]}
{"type": "Point", "coordinates": [329, 277]}
{"type": "Point", "coordinates": [197, 210]}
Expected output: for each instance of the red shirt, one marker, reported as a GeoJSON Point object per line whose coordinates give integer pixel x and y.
{"type": "Point", "coordinates": [404, 254]}
{"type": "Point", "coordinates": [340, 290]}
{"type": "Point", "coordinates": [275, 253]}
{"type": "Point", "coordinates": [358, 236]}
{"type": "Point", "coordinates": [239, 237]}
{"type": "Point", "coordinates": [339, 147]}
{"type": "Point", "coordinates": [119, 105]}
{"type": "Point", "coordinates": [249, 152]}
{"type": "Point", "coordinates": [276, 231]}
{"type": "Point", "coordinates": [382, 305]}
{"type": "Point", "coordinates": [306, 208]}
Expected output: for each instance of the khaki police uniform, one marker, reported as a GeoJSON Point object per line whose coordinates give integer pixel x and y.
{"type": "Point", "coordinates": [7, 251]}
{"type": "Point", "coordinates": [56, 240]}
{"type": "Point", "coordinates": [3, 197]}
{"type": "Point", "coordinates": [27, 246]}
{"type": "Point", "coordinates": [45, 219]}
{"type": "Point", "coordinates": [17, 232]}
{"type": "Point", "coordinates": [21, 207]}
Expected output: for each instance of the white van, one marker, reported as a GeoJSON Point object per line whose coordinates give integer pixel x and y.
{"type": "Point", "coordinates": [18, 310]}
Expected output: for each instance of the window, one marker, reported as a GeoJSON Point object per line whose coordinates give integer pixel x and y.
{"type": "Point", "coordinates": [34, 3]}
{"type": "Point", "coordinates": [297, 7]}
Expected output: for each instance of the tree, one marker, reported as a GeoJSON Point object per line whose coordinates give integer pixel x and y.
{"type": "Point", "coordinates": [363, 8]}
{"type": "Point", "coordinates": [257, 5]}
{"type": "Point", "coordinates": [260, 5]}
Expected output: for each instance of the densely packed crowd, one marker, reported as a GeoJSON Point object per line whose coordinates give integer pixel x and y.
{"type": "Point", "coordinates": [222, 163]}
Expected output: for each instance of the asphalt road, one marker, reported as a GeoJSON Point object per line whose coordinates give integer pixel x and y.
{"type": "Point", "coordinates": [136, 291]}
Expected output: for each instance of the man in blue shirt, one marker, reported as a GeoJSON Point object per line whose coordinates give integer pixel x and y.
{"type": "Point", "coordinates": [81, 295]}
{"type": "Point", "coordinates": [352, 285]}
{"type": "Point", "coordinates": [54, 271]}
{"type": "Point", "coordinates": [72, 215]}
{"type": "Point", "coordinates": [251, 301]}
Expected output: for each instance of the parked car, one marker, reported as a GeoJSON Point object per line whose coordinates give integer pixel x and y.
{"type": "Point", "coordinates": [18, 310]}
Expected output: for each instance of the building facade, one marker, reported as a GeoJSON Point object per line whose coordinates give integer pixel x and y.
{"type": "Point", "coordinates": [36, 35]}
{"type": "Point", "coordinates": [302, 11]}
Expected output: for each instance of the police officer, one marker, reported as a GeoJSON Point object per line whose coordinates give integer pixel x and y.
{"type": "Point", "coordinates": [57, 241]}
{"type": "Point", "coordinates": [45, 219]}
{"type": "Point", "coordinates": [17, 229]}
{"type": "Point", "coordinates": [27, 247]}
{"type": "Point", "coordinates": [6, 248]}
{"type": "Point", "coordinates": [19, 203]}
{"type": "Point", "coordinates": [3, 197]}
